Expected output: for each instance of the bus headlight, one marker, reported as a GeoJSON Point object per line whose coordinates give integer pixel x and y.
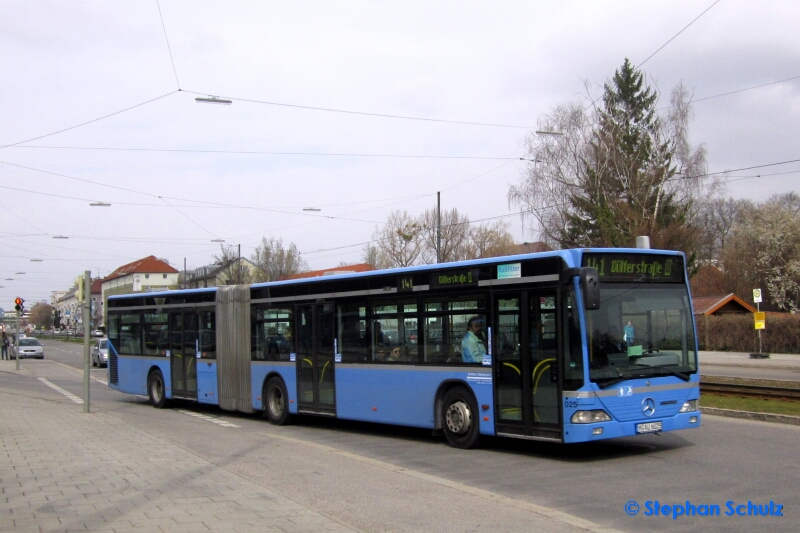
{"type": "Point", "coordinates": [589, 417]}
{"type": "Point", "coordinates": [689, 406]}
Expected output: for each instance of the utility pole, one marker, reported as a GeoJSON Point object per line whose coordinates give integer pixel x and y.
{"type": "Point", "coordinates": [86, 300]}
{"type": "Point", "coordinates": [16, 340]}
{"type": "Point", "coordinates": [438, 227]}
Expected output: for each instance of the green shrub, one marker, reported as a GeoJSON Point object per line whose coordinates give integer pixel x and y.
{"type": "Point", "coordinates": [736, 333]}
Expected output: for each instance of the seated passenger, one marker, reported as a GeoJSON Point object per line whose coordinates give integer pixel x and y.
{"type": "Point", "coordinates": [472, 346]}
{"type": "Point", "coordinates": [380, 354]}
{"type": "Point", "coordinates": [399, 353]}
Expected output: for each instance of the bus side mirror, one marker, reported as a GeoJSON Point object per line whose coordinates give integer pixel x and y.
{"type": "Point", "coordinates": [589, 282]}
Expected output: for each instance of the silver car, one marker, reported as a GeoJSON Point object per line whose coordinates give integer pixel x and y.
{"type": "Point", "coordinates": [30, 347]}
{"type": "Point", "coordinates": [100, 353]}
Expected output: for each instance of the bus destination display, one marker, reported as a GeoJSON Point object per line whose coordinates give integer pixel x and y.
{"type": "Point", "coordinates": [636, 267]}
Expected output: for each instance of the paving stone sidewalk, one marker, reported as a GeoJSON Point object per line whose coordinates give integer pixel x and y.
{"type": "Point", "coordinates": [64, 470]}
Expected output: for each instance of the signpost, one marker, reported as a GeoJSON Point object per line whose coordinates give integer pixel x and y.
{"type": "Point", "coordinates": [760, 322]}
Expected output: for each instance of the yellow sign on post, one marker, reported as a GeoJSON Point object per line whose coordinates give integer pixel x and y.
{"type": "Point", "coordinates": [761, 320]}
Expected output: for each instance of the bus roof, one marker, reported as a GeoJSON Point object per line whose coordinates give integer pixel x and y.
{"type": "Point", "coordinates": [571, 256]}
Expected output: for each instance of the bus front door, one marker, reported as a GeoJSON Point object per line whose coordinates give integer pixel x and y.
{"type": "Point", "coordinates": [183, 354]}
{"type": "Point", "coordinates": [315, 359]}
{"type": "Point", "coordinates": [525, 345]}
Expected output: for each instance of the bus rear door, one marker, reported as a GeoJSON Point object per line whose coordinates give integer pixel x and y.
{"type": "Point", "coordinates": [315, 359]}
{"type": "Point", "coordinates": [183, 354]}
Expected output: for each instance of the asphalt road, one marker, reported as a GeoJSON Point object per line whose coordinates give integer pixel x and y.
{"type": "Point", "coordinates": [343, 468]}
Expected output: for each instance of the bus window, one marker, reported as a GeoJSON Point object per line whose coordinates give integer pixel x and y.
{"type": "Point", "coordinates": [208, 335]}
{"type": "Point", "coordinates": [130, 335]}
{"type": "Point", "coordinates": [353, 342]}
{"type": "Point", "coordinates": [155, 334]}
{"type": "Point", "coordinates": [446, 324]}
{"type": "Point", "coordinates": [272, 334]}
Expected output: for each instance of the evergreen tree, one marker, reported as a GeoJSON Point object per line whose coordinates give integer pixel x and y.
{"type": "Point", "coordinates": [623, 191]}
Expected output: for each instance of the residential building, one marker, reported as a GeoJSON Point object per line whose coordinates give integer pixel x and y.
{"type": "Point", "coordinates": [143, 275]}
{"type": "Point", "coordinates": [236, 270]}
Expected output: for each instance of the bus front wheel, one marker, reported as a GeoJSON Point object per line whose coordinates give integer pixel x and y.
{"type": "Point", "coordinates": [155, 386]}
{"type": "Point", "coordinates": [460, 418]}
{"type": "Point", "coordinates": [276, 402]}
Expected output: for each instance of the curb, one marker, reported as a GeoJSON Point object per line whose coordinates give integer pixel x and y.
{"type": "Point", "coordinates": [750, 415]}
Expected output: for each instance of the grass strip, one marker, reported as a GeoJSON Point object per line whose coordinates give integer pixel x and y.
{"type": "Point", "coordinates": [755, 405]}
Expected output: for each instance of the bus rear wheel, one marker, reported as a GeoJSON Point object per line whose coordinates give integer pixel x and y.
{"type": "Point", "coordinates": [276, 402]}
{"type": "Point", "coordinates": [460, 418]}
{"type": "Point", "coordinates": [156, 389]}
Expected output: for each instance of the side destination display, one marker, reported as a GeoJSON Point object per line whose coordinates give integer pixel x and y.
{"type": "Point", "coordinates": [622, 268]}
{"type": "Point", "coordinates": [454, 278]}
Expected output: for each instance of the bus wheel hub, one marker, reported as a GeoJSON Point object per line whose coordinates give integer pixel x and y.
{"type": "Point", "coordinates": [458, 418]}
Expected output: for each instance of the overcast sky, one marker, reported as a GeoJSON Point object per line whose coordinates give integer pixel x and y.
{"type": "Point", "coordinates": [319, 89]}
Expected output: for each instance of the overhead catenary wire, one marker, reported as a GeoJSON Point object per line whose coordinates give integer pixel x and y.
{"type": "Point", "coordinates": [169, 48]}
{"type": "Point", "coordinates": [273, 153]}
{"type": "Point", "coordinates": [92, 121]}
{"type": "Point", "coordinates": [676, 35]}
{"type": "Point", "coordinates": [366, 113]}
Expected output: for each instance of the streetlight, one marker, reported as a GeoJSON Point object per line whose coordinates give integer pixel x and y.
{"type": "Point", "coordinates": [212, 100]}
{"type": "Point", "coordinates": [99, 204]}
{"type": "Point", "coordinates": [37, 260]}
{"type": "Point", "coordinates": [60, 237]}
{"type": "Point", "coordinates": [217, 240]}
{"type": "Point", "coordinates": [545, 132]}
{"type": "Point", "coordinates": [312, 209]}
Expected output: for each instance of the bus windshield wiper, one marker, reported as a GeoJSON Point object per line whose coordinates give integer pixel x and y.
{"type": "Point", "coordinates": [637, 375]}
{"type": "Point", "coordinates": [684, 377]}
{"type": "Point", "coordinates": [614, 381]}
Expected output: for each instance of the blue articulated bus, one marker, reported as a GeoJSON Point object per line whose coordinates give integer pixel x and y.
{"type": "Point", "coordinates": [566, 346]}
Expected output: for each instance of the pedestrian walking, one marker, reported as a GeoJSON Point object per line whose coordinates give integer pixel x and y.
{"type": "Point", "coordinates": [4, 345]}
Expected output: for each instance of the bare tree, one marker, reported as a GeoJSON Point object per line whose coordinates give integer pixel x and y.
{"type": "Point", "coordinates": [273, 261]}
{"type": "Point", "coordinates": [373, 255]}
{"type": "Point", "coordinates": [400, 239]}
{"type": "Point", "coordinates": [490, 240]}
{"type": "Point", "coordinates": [455, 231]}
{"type": "Point", "coordinates": [232, 270]}
{"type": "Point", "coordinates": [716, 219]}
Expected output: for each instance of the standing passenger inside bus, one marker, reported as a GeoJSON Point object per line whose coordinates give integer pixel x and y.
{"type": "Point", "coordinates": [472, 346]}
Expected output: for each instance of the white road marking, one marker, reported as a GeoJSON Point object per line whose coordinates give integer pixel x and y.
{"type": "Point", "coordinates": [62, 391]}
{"type": "Point", "coordinates": [207, 418]}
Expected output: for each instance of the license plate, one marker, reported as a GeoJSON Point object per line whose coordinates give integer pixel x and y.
{"type": "Point", "coordinates": [648, 427]}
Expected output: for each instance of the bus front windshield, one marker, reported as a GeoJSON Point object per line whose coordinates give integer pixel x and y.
{"type": "Point", "coordinates": [641, 331]}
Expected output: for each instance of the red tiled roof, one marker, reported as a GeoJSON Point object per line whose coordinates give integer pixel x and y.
{"type": "Point", "coordinates": [148, 265]}
{"type": "Point", "coordinates": [97, 286]}
{"type": "Point", "coordinates": [361, 267]}
{"type": "Point", "coordinates": [709, 305]}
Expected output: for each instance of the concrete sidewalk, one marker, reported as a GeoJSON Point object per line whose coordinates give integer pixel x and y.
{"type": "Point", "coordinates": [742, 359]}
{"type": "Point", "coordinates": [64, 470]}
